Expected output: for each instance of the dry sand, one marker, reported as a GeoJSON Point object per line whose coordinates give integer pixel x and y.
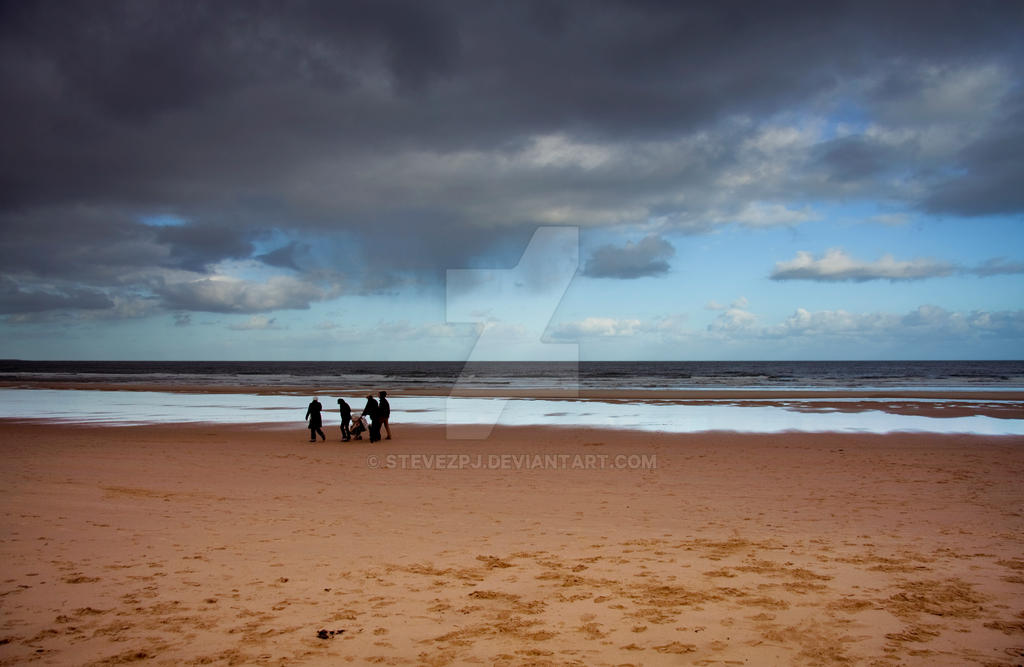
{"type": "Point", "coordinates": [236, 545]}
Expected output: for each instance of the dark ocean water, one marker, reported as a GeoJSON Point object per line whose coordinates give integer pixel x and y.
{"type": "Point", "coordinates": [598, 375]}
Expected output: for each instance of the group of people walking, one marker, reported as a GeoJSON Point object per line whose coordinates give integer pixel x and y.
{"type": "Point", "coordinates": [376, 415]}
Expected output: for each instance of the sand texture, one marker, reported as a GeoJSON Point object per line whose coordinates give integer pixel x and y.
{"type": "Point", "coordinates": [212, 544]}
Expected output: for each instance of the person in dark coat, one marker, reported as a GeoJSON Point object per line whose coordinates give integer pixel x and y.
{"type": "Point", "coordinates": [371, 411]}
{"type": "Point", "coordinates": [346, 417]}
{"type": "Point", "coordinates": [315, 421]}
{"type": "Point", "coordinates": [385, 413]}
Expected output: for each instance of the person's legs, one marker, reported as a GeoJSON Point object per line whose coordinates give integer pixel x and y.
{"type": "Point", "coordinates": [345, 435]}
{"type": "Point", "coordinates": [312, 435]}
{"type": "Point", "coordinates": [387, 428]}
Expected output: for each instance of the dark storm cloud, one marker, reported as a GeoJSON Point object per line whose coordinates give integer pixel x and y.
{"type": "Point", "coordinates": [285, 257]}
{"type": "Point", "coordinates": [104, 247]}
{"type": "Point", "coordinates": [14, 299]}
{"type": "Point", "coordinates": [410, 137]}
{"type": "Point", "coordinates": [194, 247]}
{"type": "Point", "coordinates": [991, 174]}
{"type": "Point", "coordinates": [648, 257]}
{"type": "Point", "coordinates": [77, 242]}
{"type": "Point", "coordinates": [852, 159]}
{"type": "Point", "coordinates": [169, 95]}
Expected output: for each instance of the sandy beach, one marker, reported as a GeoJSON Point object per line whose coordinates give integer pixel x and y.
{"type": "Point", "coordinates": [216, 544]}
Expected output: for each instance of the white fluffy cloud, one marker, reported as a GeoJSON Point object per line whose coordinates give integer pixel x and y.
{"type": "Point", "coordinates": [733, 320]}
{"type": "Point", "coordinates": [405, 330]}
{"type": "Point", "coordinates": [842, 326]}
{"type": "Point", "coordinates": [835, 265]}
{"type": "Point", "coordinates": [598, 327]}
{"type": "Point", "coordinates": [760, 214]}
{"type": "Point", "coordinates": [231, 295]}
{"type": "Point", "coordinates": [924, 321]}
{"type": "Point", "coordinates": [821, 326]}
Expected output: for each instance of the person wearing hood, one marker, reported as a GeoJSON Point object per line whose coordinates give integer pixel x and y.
{"type": "Point", "coordinates": [384, 409]}
{"type": "Point", "coordinates": [371, 410]}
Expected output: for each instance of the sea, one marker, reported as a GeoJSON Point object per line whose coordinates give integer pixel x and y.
{"type": "Point", "coordinates": [276, 394]}
{"type": "Point", "coordinates": [585, 375]}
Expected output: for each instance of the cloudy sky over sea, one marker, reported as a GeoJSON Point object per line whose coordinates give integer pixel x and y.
{"type": "Point", "coordinates": [265, 180]}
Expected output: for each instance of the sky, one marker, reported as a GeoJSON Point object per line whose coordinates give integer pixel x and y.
{"type": "Point", "coordinates": [458, 180]}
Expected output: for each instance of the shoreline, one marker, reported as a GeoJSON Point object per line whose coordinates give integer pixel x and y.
{"type": "Point", "coordinates": [935, 411]}
{"type": "Point", "coordinates": [212, 543]}
{"type": "Point", "coordinates": [469, 433]}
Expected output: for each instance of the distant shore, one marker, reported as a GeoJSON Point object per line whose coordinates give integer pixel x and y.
{"type": "Point", "coordinates": [709, 393]}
